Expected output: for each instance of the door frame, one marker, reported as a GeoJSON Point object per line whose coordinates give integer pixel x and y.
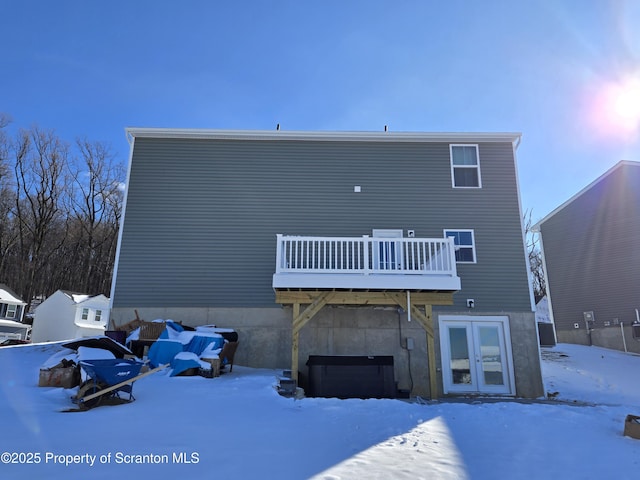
{"type": "Point", "coordinates": [475, 321]}
{"type": "Point", "coordinates": [387, 239]}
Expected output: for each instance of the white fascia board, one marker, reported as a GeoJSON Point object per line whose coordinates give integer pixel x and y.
{"type": "Point", "coordinates": [373, 281]}
{"type": "Point", "coordinates": [536, 227]}
{"type": "Point", "coordinates": [134, 132]}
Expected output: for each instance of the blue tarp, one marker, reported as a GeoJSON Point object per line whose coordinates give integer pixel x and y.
{"type": "Point", "coordinates": [198, 344]}
{"type": "Point", "coordinates": [174, 326]}
{"type": "Point", "coordinates": [163, 351]}
{"type": "Point", "coordinates": [181, 364]}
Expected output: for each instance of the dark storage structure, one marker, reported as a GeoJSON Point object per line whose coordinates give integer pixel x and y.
{"type": "Point", "coordinates": [546, 335]}
{"type": "Point", "coordinates": [351, 377]}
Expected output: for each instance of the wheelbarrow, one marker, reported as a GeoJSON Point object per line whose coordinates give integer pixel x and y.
{"type": "Point", "coordinates": [108, 378]}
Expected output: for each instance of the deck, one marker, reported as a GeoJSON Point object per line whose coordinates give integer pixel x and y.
{"type": "Point", "coordinates": [365, 263]}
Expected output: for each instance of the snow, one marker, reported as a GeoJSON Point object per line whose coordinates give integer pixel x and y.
{"type": "Point", "coordinates": [79, 298]}
{"type": "Point", "coordinates": [236, 426]}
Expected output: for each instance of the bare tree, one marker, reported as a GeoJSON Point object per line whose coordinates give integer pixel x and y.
{"type": "Point", "coordinates": [8, 232]}
{"type": "Point", "coordinates": [535, 257]}
{"type": "Point", "coordinates": [60, 210]}
{"type": "Point", "coordinates": [40, 161]}
{"type": "Point", "coordinates": [96, 205]}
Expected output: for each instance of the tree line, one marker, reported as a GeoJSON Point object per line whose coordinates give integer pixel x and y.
{"type": "Point", "coordinates": [60, 209]}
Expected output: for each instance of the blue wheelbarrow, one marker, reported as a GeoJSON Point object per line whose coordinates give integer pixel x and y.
{"type": "Point", "coordinates": [108, 379]}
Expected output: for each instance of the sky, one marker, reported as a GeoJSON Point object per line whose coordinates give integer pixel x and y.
{"type": "Point", "coordinates": [564, 73]}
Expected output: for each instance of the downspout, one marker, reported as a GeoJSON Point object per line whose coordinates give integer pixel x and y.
{"type": "Point", "coordinates": [409, 306]}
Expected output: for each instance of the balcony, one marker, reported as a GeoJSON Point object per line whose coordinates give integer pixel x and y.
{"type": "Point", "coordinates": [365, 263]}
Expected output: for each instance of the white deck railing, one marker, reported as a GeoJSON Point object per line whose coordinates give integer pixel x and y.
{"type": "Point", "coordinates": [365, 255]}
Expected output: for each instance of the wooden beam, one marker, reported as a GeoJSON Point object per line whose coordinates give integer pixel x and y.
{"type": "Point", "coordinates": [400, 299]}
{"type": "Point", "coordinates": [340, 297]}
{"type": "Point", "coordinates": [301, 319]}
{"type": "Point", "coordinates": [294, 345]}
{"type": "Point", "coordinates": [431, 354]}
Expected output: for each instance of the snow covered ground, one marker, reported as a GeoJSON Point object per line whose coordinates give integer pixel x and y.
{"type": "Point", "coordinates": [237, 427]}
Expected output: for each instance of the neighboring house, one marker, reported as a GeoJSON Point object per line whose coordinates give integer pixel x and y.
{"type": "Point", "coordinates": [67, 315]}
{"type": "Point", "coordinates": [321, 243]}
{"type": "Point", "coordinates": [11, 314]}
{"type": "Point", "coordinates": [591, 250]}
{"type": "Point", "coordinates": [11, 305]}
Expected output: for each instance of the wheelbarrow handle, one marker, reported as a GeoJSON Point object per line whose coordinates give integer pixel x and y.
{"type": "Point", "coordinates": [121, 384]}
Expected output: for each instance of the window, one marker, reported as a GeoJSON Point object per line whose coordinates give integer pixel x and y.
{"type": "Point", "coordinates": [85, 314]}
{"type": "Point", "coordinates": [98, 315]}
{"type": "Point", "coordinates": [465, 166]}
{"type": "Point", "coordinates": [11, 311]}
{"type": "Point", "coordinates": [465, 245]}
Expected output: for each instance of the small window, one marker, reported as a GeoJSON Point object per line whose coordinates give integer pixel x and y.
{"type": "Point", "coordinates": [11, 311]}
{"type": "Point", "coordinates": [465, 166]}
{"type": "Point", "coordinates": [465, 245]}
{"type": "Point", "coordinates": [98, 315]}
{"type": "Point", "coordinates": [85, 314]}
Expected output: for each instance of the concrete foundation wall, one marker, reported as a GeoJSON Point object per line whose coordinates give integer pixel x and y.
{"type": "Point", "coordinates": [609, 337]}
{"type": "Point", "coordinates": [265, 339]}
{"type": "Point", "coordinates": [526, 355]}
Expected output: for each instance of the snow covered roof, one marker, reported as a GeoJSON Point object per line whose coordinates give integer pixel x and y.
{"type": "Point", "coordinates": [9, 296]}
{"type": "Point", "coordinates": [11, 323]}
{"type": "Point", "coordinates": [77, 297]}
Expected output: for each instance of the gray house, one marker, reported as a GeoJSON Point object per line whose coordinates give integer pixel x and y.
{"type": "Point", "coordinates": [592, 261]}
{"type": "Point", "coordinates": [394, 245]}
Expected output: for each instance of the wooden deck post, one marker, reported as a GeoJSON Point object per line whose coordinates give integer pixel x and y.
{"type": "Point", "coordinates": [431, 354]}
{"type": "Point", "coordinates": [294, 343]}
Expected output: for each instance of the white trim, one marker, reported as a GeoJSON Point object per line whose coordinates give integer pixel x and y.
{"type": "Point", "coordinates": [479, 319]}
{"type": "Point", "coordinates": [621, 163]}
{"type": "Point", "coordinates": [381, 281]}
{"type": "Point", "coordinates": [135, 132]}
{"type": "Point", "coordinates": [476, 166]}
{"type": "Point", "coordinates": [532, 298]}
{"type": "Point", "coordinates": [473, 244]}
{"type": "Point", "coordinates": [114, 277]}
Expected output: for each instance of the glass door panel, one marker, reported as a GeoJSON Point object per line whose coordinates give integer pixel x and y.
{"type": "Point", "coordinates": [490, 355]}
{"type": "Point", "coordinates": [459, 356]}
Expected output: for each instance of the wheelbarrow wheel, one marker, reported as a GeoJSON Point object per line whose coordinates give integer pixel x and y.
{"type": "Point", "coordinates": [87, 388]}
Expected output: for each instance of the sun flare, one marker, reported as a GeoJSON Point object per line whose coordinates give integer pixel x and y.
{"type": "Point", "coordinates": [626, 101]}
{"type": "Point", "coordinates": [617, 108]}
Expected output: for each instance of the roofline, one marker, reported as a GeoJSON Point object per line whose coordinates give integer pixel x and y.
{"type": "Point", "coordinates": [135, 132]}
{"type": "Point", "coordinates": [621, 163]}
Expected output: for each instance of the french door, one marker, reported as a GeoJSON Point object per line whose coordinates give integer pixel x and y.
{"type": "Point", "coordinates": [476, 355]}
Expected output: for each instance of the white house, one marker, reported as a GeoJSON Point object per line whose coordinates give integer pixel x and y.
{"type": "Point", "coordinates": [11, 305]}
{"type": "Point", "coordinates": [11, 313]}
{"type": "Point", "coordinates": [66, 315]}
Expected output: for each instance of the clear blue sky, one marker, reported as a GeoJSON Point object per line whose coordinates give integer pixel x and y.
{"type": "Point", "coordinates": [565, 73]}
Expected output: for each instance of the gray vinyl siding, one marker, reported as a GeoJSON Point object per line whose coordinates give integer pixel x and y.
{"type": "Point", "coordinates": [592, 254]}
{"type": "Point", "coordinates": [202, 215]}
